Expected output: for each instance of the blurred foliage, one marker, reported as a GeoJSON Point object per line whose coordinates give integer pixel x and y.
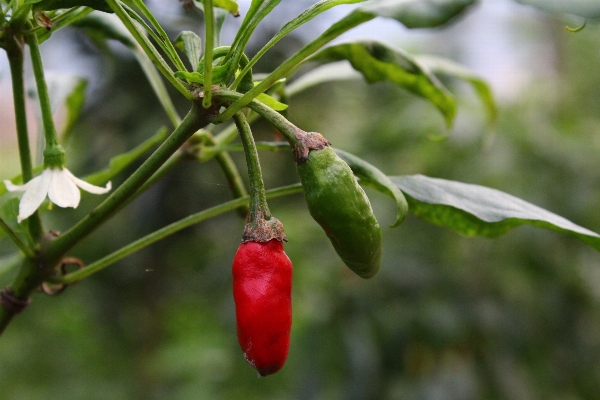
{"type": "Point", "coordinates": [447, 317]}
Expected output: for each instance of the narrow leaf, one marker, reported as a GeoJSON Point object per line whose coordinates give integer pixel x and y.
{"type": "Point", "coordinates": [301, 19]}
{"type": "Point", "coordinates": [271, 102]}
{"type": "Point", "coordinates": [373, 177]}
{"type": "Point", "coordinates": [195, 77]}
{"type": "Point", "coordinates": [417, 13]}
{"type": "Point", "coordinates": [379, 62]}
{"type": "Point", "coordinates": [474, 210]}
{"type": "Point", "coordinates": [583, 8]}
{"type": "Point", "coordinates": [336, 71]}
{"type": "Point", "coordinates": [104, 27]}
{"type": "Point", "coordinates": [229, 5]}
{"type": "Point", "coordinates": [444, 66]}
{"type": "Point", "coordinates": [191, 45]}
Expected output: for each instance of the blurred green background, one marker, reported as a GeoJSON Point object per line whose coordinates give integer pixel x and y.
{"type": "Point", "coordinates": [447, 317]}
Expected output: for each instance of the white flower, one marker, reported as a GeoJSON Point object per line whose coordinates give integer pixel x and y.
{"type": "Point", "coordinates": [59, 184]}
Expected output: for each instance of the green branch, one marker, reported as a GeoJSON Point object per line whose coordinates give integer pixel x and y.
{"type": "Point", "coordinates": [196, 119]}
{"type": "Point", "coordinates": [209, 21]}
{"type": "Point", "coordinates": [15, 58]}
{"type": "Point", "coordinates": [166, 231]}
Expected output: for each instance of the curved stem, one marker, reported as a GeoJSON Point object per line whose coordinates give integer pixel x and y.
{"type": "Point", "coordinates": [166, 231]}
{"type": "Point", "coordinates": [258, 200]}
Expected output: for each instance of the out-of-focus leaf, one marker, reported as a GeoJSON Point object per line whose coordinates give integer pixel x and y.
{"type": "Point", "coordinates": [417, 13]}
{"type": "Point", "coordinates": [231, 6]}
{"type": "Point", "coordinates": [102, 27]}
{"type": "Point", "coordinates": [373, 177]}
{"type": "Point", "coordinates": [74, 104]}
{"type": "Point", "coordinates": [47, 5]}
{"type": "Point", "coordinates": [475, 210]}
{"type": "Point", "coordinates": [337, 71]}
{"type": "Point", "coordinates": [191, 45]}
{"type": "Point", "coordinates": [10, 263]}
{"type": "Point", "coordinates": [379, 62]}
{"type": "Point", "coordinates": [9, 210]}
{"type": "Point", "coordinates": [583, 8]}
{"type": "Point", "coordinates": [301, 19]}
{"type": "Point", "coordinates": [192, 77]}
{"type": "Point", "coordinates": [444, 66]}
{"type": "Point", "coordinates": [271, 102]}
{"type": "Point", "coordinates": [122, 161]}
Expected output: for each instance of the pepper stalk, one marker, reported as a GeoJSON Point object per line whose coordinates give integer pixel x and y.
{"type": "Point", "coordinates": [261, 226]}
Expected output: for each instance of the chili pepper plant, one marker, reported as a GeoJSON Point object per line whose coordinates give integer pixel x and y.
{"type": "Point", "coordinates": [224, 98]}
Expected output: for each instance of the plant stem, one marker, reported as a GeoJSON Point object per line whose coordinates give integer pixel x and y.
{"type": "Point", "coordinates": [166, 231]}
{"type": "Point", "coordinates": [197, 118]}
{"type": "Point", "coordinates": [148, 48]}
{"type": "Point", "coordinates": [258, 200]}
{"type": "Point", "coordinates": [288, 129]}
{"type": "Point", "coordinates": [42, 89]}
{"type": "Point", "coordinates": [209, 30]}
{"type": "Point", "coordinates": [21, 291]}
{"type": "Point", "coordinates": [350, 21]}
{"type": "Point", "coordinates": [15, 58]}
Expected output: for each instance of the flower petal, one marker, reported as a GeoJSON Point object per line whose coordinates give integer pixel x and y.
{"type": "Point", "coordinates": [15, 188]}
{"type": "Point", "coordinates": [63, 192]}
{"type": "Point", "coordinates": [88, 187]}
{"type": "Point", "coordinates": [35, 193]}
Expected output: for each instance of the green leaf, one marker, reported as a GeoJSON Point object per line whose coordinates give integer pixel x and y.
{"type": "Point", "coordinates": [257, 11]}
{"type": "Point", "coordinates": [47, 5]}
{"type": "Point", "coordinates": [379, 62]}
{"type": "Point", "coordinates": [373, 177]}
{"type": "Point", "coordinates": [417, 13]}
{"type": "Point", "coordinates": [9, 210]}
{"type": "Point", "coordinates": [191, 45]}
{"type": "Point", "coordinates": [582, 8]}
{"type": "Point", "coordinates": [122, 161]}
{"type": "Point", "coordinates": [336, 71]}
{"type": "Point", "coordinates": [74, 104]}
{"type": "Point", "coordinates": [474, 210]}
{"type": "Point", "coordinates": [301, 19]}
{"type": "Point", "coordinates": [195, 77]}
{"type": "Point", "coordinates": [271, 102]}
{"type": "Point", "coordinates": [444, 66]}
{"type": "Point", "coordinates": [229, 5]}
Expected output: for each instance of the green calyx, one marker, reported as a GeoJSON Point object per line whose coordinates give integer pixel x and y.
{"type": "Point", "coordinates": [338, 203]}
{"type": "Point", "coordinates": [54, 157]}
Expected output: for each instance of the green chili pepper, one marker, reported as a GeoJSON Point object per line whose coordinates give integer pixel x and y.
{"type": "Point", "coordinates": [338, 203]}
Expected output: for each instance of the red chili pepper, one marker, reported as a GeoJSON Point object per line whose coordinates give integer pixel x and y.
{"type": "Point", "coordinates": [262, 291]}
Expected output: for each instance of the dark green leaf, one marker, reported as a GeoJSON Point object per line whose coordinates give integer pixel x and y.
{"type": "Point", "coordinates": [417, 13]}
{"type": "Point", "coordinates": [379, 62]}
{"type": "Point", "coordinates": [474, 210]}
{"type": "Point", "coordinates": [47, 5]}
{"type": "Point", "coordinates": [371, 176]}
{"type": "Point", "coordinates": [444, 66]}
{"type": "Point", "coordinates": [191, 45]}
{"type": "Point", "coordinates": [582, 8]}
